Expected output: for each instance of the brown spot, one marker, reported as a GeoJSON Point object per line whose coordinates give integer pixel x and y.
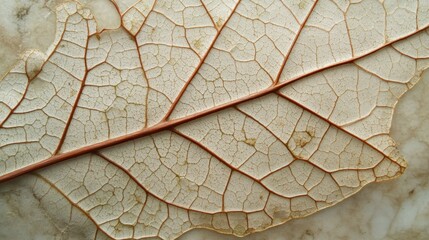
{"type": "Point", "coordinates": [197, 44]}
{"type": "Point", "coordinates": [131, 37]}
{"type": "Point", "coordinates": [302, 4]}
{"type": "Point", "coordinates": [139, 199]}
{"type": "Point", "coordinates": [250, 141]}
{"type": "Point", "coordinates": [22, 12]}
{"type": "Point", "coordinates": [302, 142]}
{"type": "Point", "coordinates": [118, 227]}
{"type": "Point", "coordinates": [219, 23]}
{"type": "Point", "coordinates": [308, 232]}
{"type": "Point", "coordinates": [31, 73]}
{"type": "Point", "coordinates": [73, 92]}
{"type": "Point", "coordinates": [310, 132]}
{"type": "Point", "coordinates": [281, 214]}
{"type": "Point", "coordinates": [303, 138]}
{"type": "Point", "coordinates": [240, 229]}
{"type": "Point", "coordinates": [172, 61]}
{"type": "Point", "coordinates": [135, 23]}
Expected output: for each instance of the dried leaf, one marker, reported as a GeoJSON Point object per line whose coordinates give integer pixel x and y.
{"type": "Point", "coordinates": [230, 115]}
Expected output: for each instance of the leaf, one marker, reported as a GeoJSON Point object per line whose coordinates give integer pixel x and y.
{"type": "Point", "coordinates": [230, 115]}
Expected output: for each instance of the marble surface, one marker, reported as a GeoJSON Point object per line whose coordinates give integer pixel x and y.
{"type": "Point", "coordinates": [397, 209]}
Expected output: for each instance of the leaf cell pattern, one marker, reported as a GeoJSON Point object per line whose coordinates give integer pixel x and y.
{"type": "Point", "coordinates": [223, 114]}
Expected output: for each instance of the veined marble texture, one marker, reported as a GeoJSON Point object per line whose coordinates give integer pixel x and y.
{"type": "Point", "coordinates": [397, 209]}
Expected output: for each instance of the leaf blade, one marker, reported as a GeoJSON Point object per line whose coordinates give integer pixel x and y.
{"type": "Point", "coordinates": [245, 177]}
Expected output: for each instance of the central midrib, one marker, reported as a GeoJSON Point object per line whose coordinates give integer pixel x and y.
{"type": "Point", "coordinates": [168, 124]}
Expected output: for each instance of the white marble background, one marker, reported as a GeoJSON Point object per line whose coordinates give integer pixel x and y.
{"type": "Point", "coordinates": [397, 209]}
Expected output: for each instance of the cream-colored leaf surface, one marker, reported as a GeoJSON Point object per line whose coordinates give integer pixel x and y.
{"type": "Point", "coordinates": [235, 116]}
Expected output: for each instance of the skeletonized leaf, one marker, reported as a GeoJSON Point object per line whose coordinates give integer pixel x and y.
{"type": "Point", "coordinates": [230, 115]}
